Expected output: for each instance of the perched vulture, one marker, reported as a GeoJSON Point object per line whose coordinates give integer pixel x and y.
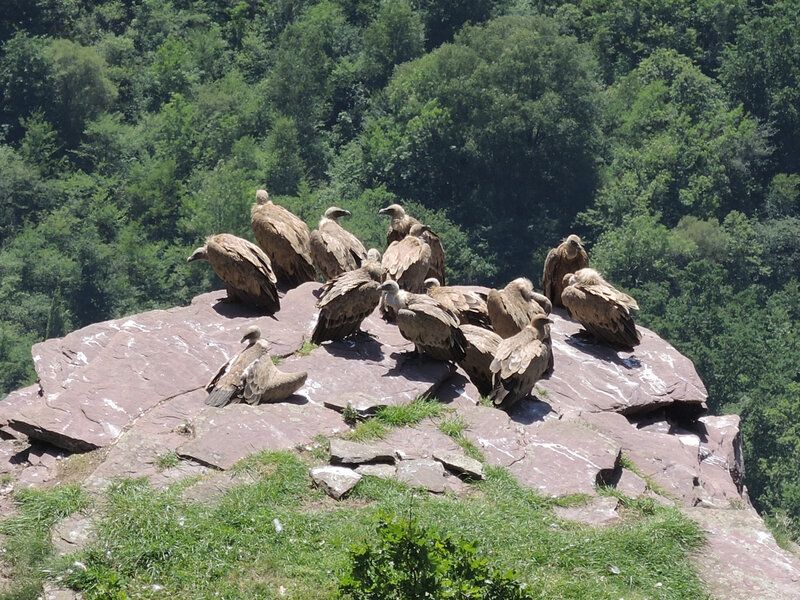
{"type": "Point", "coordinates": [469, 307]}
{"type": "Point", "coordinates": [333, 248]}
{"type": "Point", "coordinates": [285, 239]}
{"type": "Point", "coordinates": [603, 310]}
{"type": "Point", "coordinates": [568, 257]}
{"type": "Point", "coordinates": [482, 346]}
{"type": "Point", "coordinates": [348, 299]}
{"type": "Point", "coordinates": [422, 320]}
{"type": "Point", "coordinates": [400, 225]}
{"type": "Point", "coordinates": [252, 376]}
{"type": "Point", "coordinates": [513, 307]}
{"type": "Point", "coordinates": [520, 361]}
{"type": "Point", "coordinates": [243, 267]}
{"type": "Point", "coordinates": [407, 260]}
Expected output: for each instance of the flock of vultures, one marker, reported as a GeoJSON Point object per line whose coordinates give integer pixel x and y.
{"type": "Point", "coordinates": [500, 339]}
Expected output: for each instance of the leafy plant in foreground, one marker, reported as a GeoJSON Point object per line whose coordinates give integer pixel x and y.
{"type": "Point", "coordinates": [409, 561]}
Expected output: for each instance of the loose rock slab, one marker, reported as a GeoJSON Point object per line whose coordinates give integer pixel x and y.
{"type": "Point", "coordinates": [347, 452]}
{"type": "Point", "coordinates": [422, 473]}
{"type": "Point", "coordinates": [336, 481]}
{"type": "Point", "coordinates": [460, 464]}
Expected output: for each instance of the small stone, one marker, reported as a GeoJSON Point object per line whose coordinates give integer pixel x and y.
{"type": "Point", "coordinates": [346, 452]}
{"type": "Point", "coordinates": [336, 481]}
{"type": "Point", "coordinates": [460, 464]}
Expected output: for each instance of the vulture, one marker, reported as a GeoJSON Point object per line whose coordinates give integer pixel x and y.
{"type": "Point", "coordinates": [520, 361]}
{"type": "Point", "coordinates": [602, 309]}
{"type": "Point", "coordinates": [482, 346]}
{"type": "Point", "coordinates": [400, 226]}
{"type": "Point", "coordinates": [568, 257]}
{"type": "Point", "coordinates": [334, 249]}
{"type": "Point", "coordinates": [469, 307]}
{"type": "Point", "coordinates": [513, 307]}
{"type": "Point", "coordinates": [407, 261]}
{"type": "Point", "coordinates": [252, 376]}
{"type": "Point", "coordinates": [285, 239]}
{"type": "Point", "coordinates": [348, 299]}
{"type": "Point", "coordinates": [243, 267]}
{"type": "Point", "coordinates": [422, 320]}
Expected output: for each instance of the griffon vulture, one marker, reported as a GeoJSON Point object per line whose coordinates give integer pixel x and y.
{"type": "Point", "coordinates": [285, 239]}
{"type": "Point", "coordinates": [520, 361]}
{"type": "Point", "coordinates": [568, 257]}
{"type": "Point", "coordinates": [348, 299]}
{"type": "Point", "coordinates": [513, 307]}
{"type": "Point", "coordinates": [422, 320]}
{"type": "Point", "coordinates": [252, 376]}
{"type": "Point", "coordinates": [469, 307]}
{"type": "Point", "coordinates": [334, 249]}
{"type": "Point", "coordinates": [482, 346]}
{"type": "Point", "coordinates": [243, 267]}
{"type": "Point", "coordinates": [400, 226]}
{"type": "Point", "coordinates": [603, 310]}
{"type": "Point", "coordinates": [407, 261]}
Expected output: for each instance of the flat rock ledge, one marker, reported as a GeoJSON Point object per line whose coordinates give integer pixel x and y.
{"type": "Point", "coordinates": [124, 398]}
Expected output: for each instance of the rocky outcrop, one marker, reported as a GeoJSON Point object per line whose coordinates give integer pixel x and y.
{"type": "Point", "coordinates": [131, 391]}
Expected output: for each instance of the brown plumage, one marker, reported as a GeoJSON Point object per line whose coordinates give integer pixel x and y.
{"type": "Point", "coordinates": [482, 346]}
{"type": "Point", "coordinates": [520, 361]}
{"type": "Point", "coordinates": [400, 225]}
{"type": "Point", "coordinates": [243, 267]}
{"type": "Point", "coordinates": [252, 376]}
{"type": "Point", "coordinates": [347, 300]}
{"type": "Point", "coordinates": [422, 320]}
{"type": "Point", "coordinates": [407, 261]}
{"type": "Point", "coordinates": [334, 249]}
{"type": "Point", "coordinates": [513, 307]}
{"type": "Point", "coordinates": [468, 306]}
{"type": "Point", "coordinates": [569, 256]}
{"type": "Point", "coordinates": [285, 238]}
{"type": "Point", "coordinates": [603, 310]}
{"type": "Point", "coordinates": [436, 268]}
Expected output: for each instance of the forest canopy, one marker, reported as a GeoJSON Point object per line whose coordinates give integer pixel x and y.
{"type": "Point", "coordinates": [664, 132]}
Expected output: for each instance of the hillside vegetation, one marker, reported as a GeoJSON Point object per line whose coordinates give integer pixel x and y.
{"type": "Point", "coordinates": [664, 132]}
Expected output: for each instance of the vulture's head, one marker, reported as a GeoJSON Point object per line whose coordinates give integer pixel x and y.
{"type": "Point", "coordinates": [431, 283]}
{"type": "Point", "coordinates": [262, 196]}
{"type": "Point", "coordinates": [574, 246]}
{"type": "Point", "coordinates": [374, 254]}
{"type": "Point", "coordinates": [418, 230]}
{"type": "Point", "coordinates": [523, 286]}
{"type": "Point", "coordinates": [251, 334]}
{"type": "Point", "coordinates": [393, 210]}
{"type": "Point", "coordinates": [389, 287]}
{"type": "Point", "coordinates": [334, 213]}
{"type": "Point", "coordinates": [541, 324]}
{"type": "Point", "coordinates": [200, 254]}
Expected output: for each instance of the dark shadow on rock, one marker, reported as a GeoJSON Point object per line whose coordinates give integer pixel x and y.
{"type": "Point", "coordinates": [358, 347]}
{"type": "Point", "coordinates": [530, 410]}
{"type": "Point", "coordinates": [588, 344]}
{"type": "Point", "coordinates": [295, 399]}
{"type": "Point", "coordinates": [231, 309]}
{"type": "Point", "coordinates": [452, 388]}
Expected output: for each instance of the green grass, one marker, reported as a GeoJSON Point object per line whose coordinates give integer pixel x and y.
{"type": "Point", "coordinates": [150, 540]}
{"type": "Point", "coordinates": [167, 460]}
{"type": "Point", "coordinates": [26, 535]}
{"type": "Point", "coordinates": [455, 427]}
{"type": "Point", "coordinates": [388, 417]}
{"type": "Point", "coordinates": [306, 348]}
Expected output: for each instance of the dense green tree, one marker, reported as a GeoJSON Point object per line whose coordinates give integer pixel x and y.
{"type": "Point", "coordinates": [395, 36]}
{"type": "Point", "coordinates": [497, 129]}
{"type": "Point", "coordinates": [762, 69]}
